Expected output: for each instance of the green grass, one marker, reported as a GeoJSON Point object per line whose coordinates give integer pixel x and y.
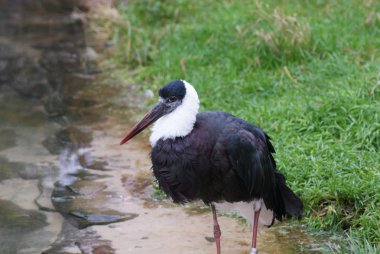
{"type": "Point", "coordinates": [307, 72]}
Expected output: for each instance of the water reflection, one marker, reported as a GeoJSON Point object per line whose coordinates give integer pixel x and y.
{"type": "Point", "coordinates": [44, 145]}
{"type": "Point", "coordinates": [69, 166]}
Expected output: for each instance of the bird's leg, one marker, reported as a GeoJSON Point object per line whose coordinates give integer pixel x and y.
{"type": "Point", "coordinates": [257, 209]}
{"type": "Point", "coordinates": [217, 232]}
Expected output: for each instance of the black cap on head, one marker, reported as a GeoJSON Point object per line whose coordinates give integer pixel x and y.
{"type": "Point", "coordinates": [175, 88]}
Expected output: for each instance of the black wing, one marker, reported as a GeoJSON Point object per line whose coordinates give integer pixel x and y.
{"type": "Point", "coordinates": [251, 159]}
{"type": "Point", "coordinates": [250, 153]}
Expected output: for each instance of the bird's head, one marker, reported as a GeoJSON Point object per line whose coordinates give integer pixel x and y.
{"type": "Point", "coordinates": [176, 108]}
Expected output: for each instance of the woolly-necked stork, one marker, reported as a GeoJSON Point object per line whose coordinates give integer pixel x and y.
{"type": "Point", "coordinates": [215, 157]}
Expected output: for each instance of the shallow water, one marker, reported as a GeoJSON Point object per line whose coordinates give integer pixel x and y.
{"type": "Point", "coordinates": [66, 186]}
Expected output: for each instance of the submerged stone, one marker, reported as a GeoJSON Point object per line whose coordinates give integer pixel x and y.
{"type": "Point", "coordinates": [69, 138]}
{"type": "Point", "coordinates": [83, 204]}
{"type": "Point", "coordinates": [85, 219]}
{"type": "Point", "coordinates": [26, 171]}
{"type": "Point", "coordinates": [55, 105]}
{"type": "Point", "coordinates": [86, 161]}
{"type": "Point", "coordinates": [7, 139]}
{"type": "Point", "coordinates": [6, 170]}
{"type": "Point", "coordinates": [13, 112]}
{"type": "Point", "coordinates": [14, 219]}
{"type": "Point", "coordinates": [74, 241]}
{"type": "Point", "coordinates": [17, 226]}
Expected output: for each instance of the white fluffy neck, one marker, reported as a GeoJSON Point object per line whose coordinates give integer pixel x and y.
{"type": "Point", "coordinates": [180, 122]}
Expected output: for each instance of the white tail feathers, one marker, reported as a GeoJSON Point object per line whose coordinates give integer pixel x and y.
{"type": "Point", "coordinates": [246, 210]}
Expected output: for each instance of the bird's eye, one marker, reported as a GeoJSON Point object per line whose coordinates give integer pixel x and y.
{"type": "Point", "coordinates": [172, 99]}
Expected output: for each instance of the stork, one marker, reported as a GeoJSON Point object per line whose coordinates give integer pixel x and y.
{"type": "Point", "coordinates": [214, 157]}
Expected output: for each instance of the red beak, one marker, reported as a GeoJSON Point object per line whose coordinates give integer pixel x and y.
{"type": "Point", "coordinates": [149, 118]}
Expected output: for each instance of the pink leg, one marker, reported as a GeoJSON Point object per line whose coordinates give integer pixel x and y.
{"type": "Point", "coordinates": [254, 233]}
{"type": "Point", "coordinates": [217, 232]}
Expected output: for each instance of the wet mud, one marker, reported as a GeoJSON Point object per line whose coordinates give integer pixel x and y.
{"type": "Point", "coordinates": [66, 186]}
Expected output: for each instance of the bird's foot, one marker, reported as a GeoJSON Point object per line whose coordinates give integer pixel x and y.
{"type": "Point", "coordinates": [253, 251]}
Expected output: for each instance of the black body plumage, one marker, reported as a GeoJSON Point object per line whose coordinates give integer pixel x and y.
{"type": "Point", "coordinates": [224, 158]}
